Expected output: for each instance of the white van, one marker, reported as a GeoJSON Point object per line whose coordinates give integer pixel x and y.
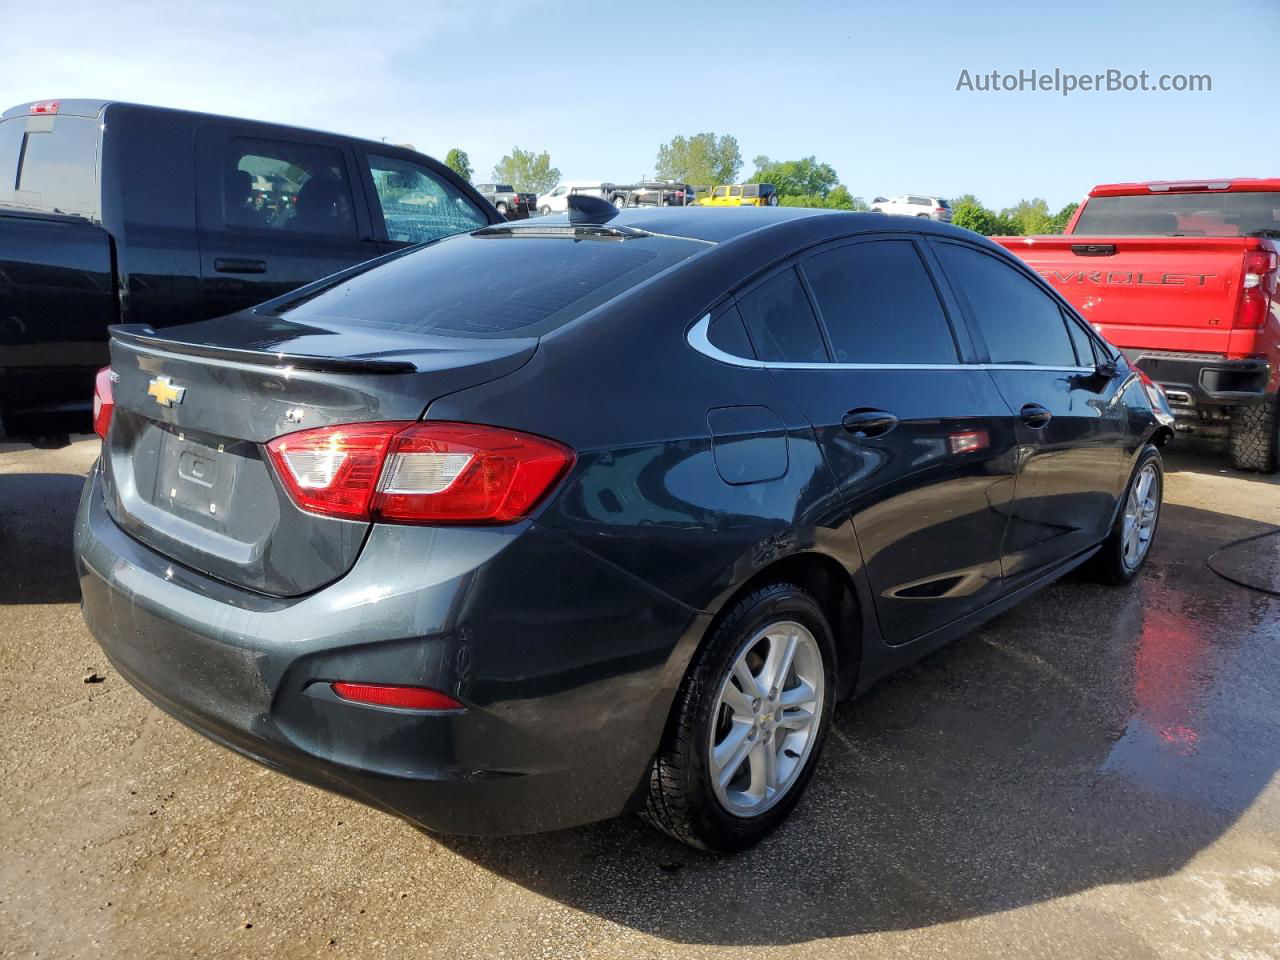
{"type": "Point", "coordinates": [557, 201]}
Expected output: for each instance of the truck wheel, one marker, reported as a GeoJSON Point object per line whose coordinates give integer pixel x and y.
{"type": "Point", "coordinates": [747, 723]}
{"type": "Point", "coordinates": [502, 208]}
{"type": "Point", "coordinates": [1255, 436]}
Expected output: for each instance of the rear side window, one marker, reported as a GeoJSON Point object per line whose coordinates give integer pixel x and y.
{"type": "Point", "coordinates": [50, 164]}
{"type": "Point", "coordinates": [495, 285]}
{"type": "Point", "coordinates": [280, 185]}
{"type": "Point", "coordinates": [781, 321]}
{"type": "Point", "coordinates": [1019, 322]}
{"type": "Point", "coordinates": [879, 304]}
{"type": "Point", "coordinates": [418, 205]}
{"type": "Point", "coordinates": [919, 201]}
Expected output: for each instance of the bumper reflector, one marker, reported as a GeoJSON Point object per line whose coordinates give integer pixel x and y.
{"type": "Point", "coordinates": [392, 695]}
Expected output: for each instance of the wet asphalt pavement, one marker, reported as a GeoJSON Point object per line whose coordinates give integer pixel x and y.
{"type": "Point", "coordinates": [1093, 774]}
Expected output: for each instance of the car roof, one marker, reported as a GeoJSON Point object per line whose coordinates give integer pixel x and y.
{"type": "Point", "coordinates": [723, 224]}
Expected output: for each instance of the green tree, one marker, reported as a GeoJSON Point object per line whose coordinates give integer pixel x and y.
{"type": "Point", "coordinates": [974, 216]}
{"type": "Point", "coordinates": [1063, 217]}
{"type": "Point", "coordinates": [965, 198]}
{"type": "Point", "coordinates": [838, 198]}
{"type": "Point", "coordinates": [1029, 217]}
{"type": "Point", "coordinates": [700, 159]}
{"type": "Point", "coordinates": [527, 171]}
{"type": "Point", "coordinates": [458, 161]}
{"type": "Point", "coordinates": [795, 177]}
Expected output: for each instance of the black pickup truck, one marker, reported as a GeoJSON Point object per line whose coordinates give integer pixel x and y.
{"type": "Point", "coordinates": [120, 213]}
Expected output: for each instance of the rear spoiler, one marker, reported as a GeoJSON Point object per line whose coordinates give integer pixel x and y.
{"type": "Point", "coordinates": [140, 335]}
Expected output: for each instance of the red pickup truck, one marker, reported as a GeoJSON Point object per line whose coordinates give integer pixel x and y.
{"type": "Point", "coordinates": [1182, 277]}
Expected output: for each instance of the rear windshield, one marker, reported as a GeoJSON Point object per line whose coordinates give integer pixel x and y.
{"type": "Point", "coordinates": [504, 188]}
{"type": "Point", "coordinates": [943, 204]}
{"type": "Point", "coordinates": [50, 164]}
{"type": "Point", "coordinates": [1181, 215]}
{"type": "Point", "coordinates": [505, 283]}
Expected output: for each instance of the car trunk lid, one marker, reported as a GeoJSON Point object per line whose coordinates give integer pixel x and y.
{"type": "Point", "coordinates": [185, 469]}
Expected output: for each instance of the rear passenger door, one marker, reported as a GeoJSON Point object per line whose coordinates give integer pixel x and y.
{"type": "Point", "coordinates": [913, 434]}
{"type": "Point", "coordinates": [1070, 421]}
{"type": "Point", "coordinates": [274, 213]}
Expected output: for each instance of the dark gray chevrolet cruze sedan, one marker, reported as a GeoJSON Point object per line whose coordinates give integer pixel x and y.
{"type": "Point", "coordinates": [552, 521]}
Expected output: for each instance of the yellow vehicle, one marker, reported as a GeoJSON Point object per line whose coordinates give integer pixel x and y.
{"type": "Point", "coordinates": [741, 195]}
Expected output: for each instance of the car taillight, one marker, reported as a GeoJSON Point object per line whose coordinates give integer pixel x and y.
{"type": "Point", "coordinates": [103, 402]}
{"type": "Point", "coordinates": [45, 106]}
{"type": "Point", "coordinates": [395, 695]}
{"type": "Point", "coordinates": [1256, 291]}
{"type": "Point", "coordinates": [419, 472]}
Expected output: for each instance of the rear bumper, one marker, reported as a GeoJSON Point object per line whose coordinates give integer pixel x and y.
{"type": "Point", "coordinates": [562, 661]}
{"type": "Point", "coordinates": [1191, 379]}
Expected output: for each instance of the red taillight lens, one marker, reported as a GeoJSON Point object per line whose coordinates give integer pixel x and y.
{"type": "Point", "coordinates": [45, 106]}
{"type": "Point", "coordinates": [1257, 289]}
{"type": "Point", "coordinates": [419, 472]}
{"type": "Point", "coordinates": [103, 402]}
{"type": "Point", "coordinates": [391, 695]}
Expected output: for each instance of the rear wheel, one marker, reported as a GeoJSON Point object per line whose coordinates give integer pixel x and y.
{"type": "Point", "coordinates": [502, 208]}
{"type": "Point", "coordinates": [1255, 436]}
{"type": "Point", "coordinates": [773, 199]}
{"type": "Point", "coordinates": [545, 210]}
{"type": "Point", "coordinates": [747, 724]}
{"type": "Point", "coordinates": [1128, 545]}
{"type": "Point", "coordinates": [620, 202]}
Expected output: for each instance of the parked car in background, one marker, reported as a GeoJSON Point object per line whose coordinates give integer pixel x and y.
{"type": "Point", "coordinates": [652, 193]}
{"type": "Point", "coordinates": [506, 200]}
{"type": "Point", "coordinates": [385, 549]}
{"type": "Point", "coordinates": [1183, 278]}
{"type": "Point", "coordinates": [741, 195]}
{"type": "Point", "coordinates": [557, 200]}
{"type": "Point", "coordinates": [119, 213]}
{"type": "Point", "coordinates": [914, 205]}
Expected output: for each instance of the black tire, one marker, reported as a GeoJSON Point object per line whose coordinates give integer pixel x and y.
{"type": "Point", "coordinates": [620, 201]}
{"type": "Point", "coordinates": [681, 800]}
{"type": "Point", "coordinates": [501, 208]}
{"type": "Point", "coordinates": [1109, 565]}
{"type": "Point", "coordinates": [773, 199]}
{"type": "Point", "coordinates": [545, 211]}
{"type": "Point", "coordinates": [1254, 439]}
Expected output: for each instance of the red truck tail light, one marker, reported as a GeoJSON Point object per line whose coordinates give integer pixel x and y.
{"type": "Point", "coordinates": [45, 106]}
{"type": "Point", "coordinates": [104, 404]}
{"type": "Point", "coordinates": [1257, 289]}
{"type": "Point", "coordinates": [419, 472]}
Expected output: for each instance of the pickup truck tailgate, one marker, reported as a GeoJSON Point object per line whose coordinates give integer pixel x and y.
{"type": "Point", "coordinates": [1183, 290]}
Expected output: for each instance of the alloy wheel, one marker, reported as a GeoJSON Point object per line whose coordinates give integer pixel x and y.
{"type": "Point", "coordinates": [766, 718]}
{"type": "Point", "coordinates": [1140, 513]}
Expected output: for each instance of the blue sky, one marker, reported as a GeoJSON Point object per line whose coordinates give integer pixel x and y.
{"type": "Point", "coordinates": [868, 88]}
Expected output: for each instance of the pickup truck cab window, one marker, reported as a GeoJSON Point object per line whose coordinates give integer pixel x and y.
{"type": "Point", "coordinates": [417, 205]}
{"type": "Point", "coordinates": [277, 185]}
{"type": "Point", "coordinates": [1020, 323]}
{"type": "Point", "coordinates": [879, 304]}
{"type": "Point", "coordinates": [50, 164]}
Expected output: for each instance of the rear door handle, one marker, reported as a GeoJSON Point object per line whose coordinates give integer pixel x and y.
{"type": "Point", "coordinates": [236, 265]}
{"type": "Point", "coordinates": [1035, 416]}
{"type": "Point", "coordinates": [869, 423]}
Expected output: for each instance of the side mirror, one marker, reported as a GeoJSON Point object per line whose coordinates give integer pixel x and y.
{"type": "Point", "coordinates": [1106, 369]}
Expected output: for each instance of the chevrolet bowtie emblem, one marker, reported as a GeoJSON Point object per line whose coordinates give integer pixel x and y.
{"type": "Point", "coordinates": [165, 392]}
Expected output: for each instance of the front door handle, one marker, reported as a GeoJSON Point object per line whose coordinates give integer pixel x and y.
{"type": "Point", "coordinates": [1035, 416]}
{"type": "Point", "coordinates": [869, 423]}
{"type": "Point", "coordinates": [236, 265]}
